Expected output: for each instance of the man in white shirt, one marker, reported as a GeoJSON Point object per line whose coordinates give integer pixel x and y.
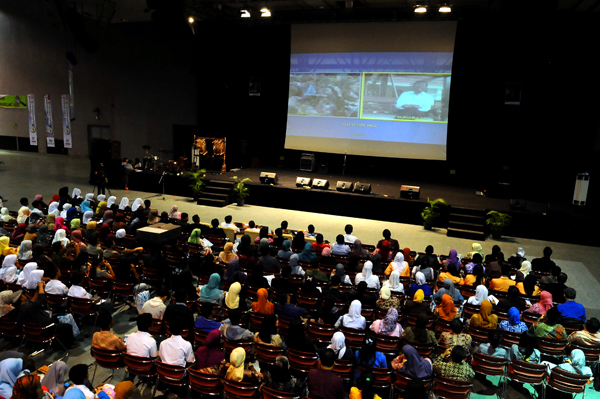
{"type": "Point", "coordinates": [141, 343]}
{"type": "Point", "coordinates": [416, 103]}
{"type": "Point", "coordinates": [78, 375]}
{"type": "Point", "coordinates": [339, 248]}
{"type": "Point", "coordinates": [175, 350]}
{"type": "Point", "coordinates": [156, 306]}
{"type": "Point", "coordinates": [77, 291]}
{"type": "Point", "coordinates": [228, 223]}
{"type": "Point", "coordinates": [348, 237]}
{"type": "Point", "coordinates": [54, 286]}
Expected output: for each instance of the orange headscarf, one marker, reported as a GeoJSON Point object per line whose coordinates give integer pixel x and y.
{"type": "Point", "coordinates": [407, 257]}
{"type": "Point", "coordinates": [263, 305]}
{"type": "Point", "coordinates": [447, 310]}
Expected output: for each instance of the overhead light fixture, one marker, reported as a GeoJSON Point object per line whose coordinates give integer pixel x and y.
{"type": "Point", "coordinates": [420, 9]}
{"type": "Point", "coordinates": [191, 20]}
{"type": "Point", "coordinates": [445, 8]}
{"type": "Point", "coordinates": [245, 14]}
{"type": "Point", "coordinates": [265, 12]}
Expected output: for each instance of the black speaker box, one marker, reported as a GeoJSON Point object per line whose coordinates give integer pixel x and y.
{"type": "Point", "coordinates": [344, 186]}
{"type": "Point", "coordinates": [303, 181]}
{"type": "Point", "coordinates": [320, 184]}
{"type": "Point", "coordinates": [363, 188]}
{"type": "Point", "coordinates": [268, 178]}
{"type": "Point", "coordinates": [410, 192]}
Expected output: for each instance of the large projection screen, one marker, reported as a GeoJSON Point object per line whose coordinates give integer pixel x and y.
{"type": "Point", "coordinates": [374, 89]}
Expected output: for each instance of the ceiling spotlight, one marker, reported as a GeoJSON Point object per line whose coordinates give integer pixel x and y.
{"type": "Point", "coordinates": [420, 9]}
{"type": "Point", "coordinates": [445, 8]}
{"type": "Point", "coordinates": [191, 20]}
{"type": "Point", "coordinates": [245, 14]}
{"type": "Point", "coordinates": [265, 12]}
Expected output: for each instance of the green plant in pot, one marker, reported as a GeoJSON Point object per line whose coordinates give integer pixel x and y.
{"type": "Point", "coordinates": [432, 212]}
{"type": "Point", "coordinates": [497, 222]}
{"type": "Point", "coordinates": [240, 189]}
{"type": "Point", "coordinates": [197, 181]}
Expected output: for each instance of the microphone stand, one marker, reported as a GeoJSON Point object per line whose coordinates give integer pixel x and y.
{"type": "Point", "coordinates": [344, 167]}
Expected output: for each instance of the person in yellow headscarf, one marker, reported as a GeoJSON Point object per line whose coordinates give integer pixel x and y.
{"type": "Point", "coordinates": [227, 254]}
{"type": "Point", "coordinates": [485, 318]}
{"type": "Point", "coordinates": [50, 221]}
{"type": "Point", "coordinates": [232, 300]}
{"type": "Point", "coordinates": [90, 229]}
{"type": "Point", "coordinates": [124, 390]}
{"type": "Point", "coordinates": [5, 249]}
{"type": "Point", "coordinates": [416, 305]}
{"type": "Point", "coordinates": [102, 205]}
{"type": "Point", "coordinates": [235, 370]}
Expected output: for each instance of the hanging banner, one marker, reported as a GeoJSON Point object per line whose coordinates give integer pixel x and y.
{"type": "Point", "coordinates": [49, 121]}
{"type": "Point", "coordinates": [12, 101]}
{"type": "Point", "coordinates": [32, 123]}
{"type": "Point", "coordinates": [66, 109]}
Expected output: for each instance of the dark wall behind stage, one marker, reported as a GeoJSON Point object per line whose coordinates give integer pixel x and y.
{"type": "Point", "coordinates": [538, 146]}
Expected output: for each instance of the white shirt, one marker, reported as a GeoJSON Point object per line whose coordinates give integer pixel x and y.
{"type": "Point", "coordinates": [424, 100]}
{"type": "Point", "coordinates": [78, 292]}
{"type": "Point", "coordinates": [233, 226]}
{"type": "Point", "coordinates": [340, 249]}
{"type": "Point", "coordinates": [349, 238]}
{"type": "Point", "coordinates": [176, 351]}
{"type": "Point", "coordinates": [141, 344]}
{"type": "Point", "coordinates": [56, 287]}
{"type": "Point", "coordinates": [88, 394]}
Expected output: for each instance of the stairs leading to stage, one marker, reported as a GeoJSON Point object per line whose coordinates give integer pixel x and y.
{"type": "Point", "coordinates": [216, 193]}
{"type": "Point", "coordinates": [466, 223]}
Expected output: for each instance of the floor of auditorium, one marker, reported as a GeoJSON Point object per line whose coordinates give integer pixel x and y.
{"type": "Point", "coordinates": [25, 175]}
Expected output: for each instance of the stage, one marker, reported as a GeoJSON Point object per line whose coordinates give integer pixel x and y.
{"type": "Point", "coordinates": [536, 220]}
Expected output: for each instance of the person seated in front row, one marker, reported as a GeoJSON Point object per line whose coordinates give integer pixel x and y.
{"type": "Point", "coordinates": [504, 282]}
{"type": "Point", "coordinates": [340, 248]}
{"type": "Point", "coordinates": [571, 311]}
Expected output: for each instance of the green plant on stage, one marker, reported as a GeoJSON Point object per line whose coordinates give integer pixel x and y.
{"type": "Point", "coordinates": [498, 221]}
{"type": "Point", "coordinates": [197, 181]}
{"type": "Point", "coordinates": [432, 211]}
{"type": "Point", "coordinates": [240, 188]}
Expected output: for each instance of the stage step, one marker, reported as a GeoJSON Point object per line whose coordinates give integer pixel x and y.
{"type": "Point", "coordinates": [460, 218]}
{"type": "Point", "coordinates": [212, 202]}
{"type": "Point", "coordinates": [466, 226]}
{"type": "Point", "coordinates": [220, 183]}
{"type": "Point", "coordinates": [461, 233]}
{"type": "Point", "coordinates": [219, 196]}
{"type": "Point", "coordinates": [216, 193]}
{"type": "Point", "coordinates": [458, 210]}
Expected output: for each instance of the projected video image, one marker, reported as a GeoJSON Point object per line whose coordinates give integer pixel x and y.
{"type": "Point", "coordinates": [406, 97]}
{"type": "Point", "coordinates": [324, 94]}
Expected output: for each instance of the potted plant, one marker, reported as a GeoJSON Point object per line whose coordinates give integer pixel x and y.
{"type": "Point", "coordinates": [497, 221]}
{"type": "Point", "coordinates": [432, 212]}
{"type": "Point", "coordinates": [197, 181]}
{"type": "Point", "coordinates": [240, 189]}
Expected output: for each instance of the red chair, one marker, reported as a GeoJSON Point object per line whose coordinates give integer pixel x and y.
{"type": "Point", "coordinates": [10, 328]}
{"type": "Point", "coordinates": [234, 389]}
{"type": "Point", "coordinates": [57, 303]}
{"type": "Point", "coordinates": [528, 373]}
{"type": "Point", "coordinates": [490, 365]}
{"type": "Point", "coordinates": [302, 361]}
{"type": "Point", "coordinates": [344, 369]}
{"type": "Point", "coordinates": [570, 383]}
{"type": "Point", "coordinates": [140, 366]}
{"type": "Point", "coordinates": [267, 353]}
{"type": "Point", "coordinates": [354, 337]}
{"type": "Point", "coordinates": [447, 388]}
{"type": "Point", "coordinates": [592, 353]}
{"type": "Point", "coordinates": [388, 345]}
{"type": "Point", "coordinates": [108, 359]}
{"type": "Point", "coordinates": [170, 375]}
{"type": "Point", "coordinates": [551, 346]}
{"type": "Point", "coordinates": [157, 329]}
{"type": "Point", "coordinates": [205, 384]}
{"type": "Point", "coordinates": [270, 393]}
{"type": "Point", "coordinates": [229, 345]}
{"type": "Point", "coordinates": [402, 381]}
{"type": "Point", "coordinates": [41, 335]}
{"type": "Point", "coordinates": [200, 336]}
{"type": "Point", "coordinates": [320, 332]}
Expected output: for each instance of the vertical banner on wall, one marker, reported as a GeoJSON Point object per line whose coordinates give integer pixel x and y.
{"type": "Point", "coordinates": [66, 121]}
{"type": "Point", "coordinates": [32, 123]}
{"type": "Point", "coordinates": [49, 121]}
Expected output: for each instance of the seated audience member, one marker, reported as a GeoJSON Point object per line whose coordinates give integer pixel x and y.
{"type": "Point", "coordinates": [452, 364]}
{"type": "Point", "coordinates": [389, 325]}
{"type": "Point", "coordinates": [493, 348]}
{"type": "Point", "coordinates": [543, 264]}
{"type": "Point", "coordinates": [79, 375]}
{"type": "Point", "coordinates": [319, 243]}
{"type": "Point", "coordinates": [513, 300]}
{"type": "Point", "coordinates": [476, 248]}
{"type": "Point", "coordinates": [419, 334]}
{"type": "Point", "coordinates": [428, 260]}
{"type": "Point", "coordinates": [524, 270]}
{"type": "Point", "coordinates": [549, 327]}
{"type": "Point", "coordinates": [518, 258]}
{"type": "Point", "coordinates": [386, 300]}
{"type": "Point", "coordinates": [229, 223]}
{"type": "Point", "coordinates": [227, 254]}
{"type": "Point", "coordinates": [297, 339]}
{"type": "Point", "coordinates": [529, 286]}
{"type": "Point", "coordinates": [283, 283]}
{"type": "Point", "coordinates": [77, 291]}
{"type": "Point", "coordinates": [394, 284]}
{"type": "Point", "coordinates": [514, 323]}
{"type": "Point", "coordinates": [504, 282]}
{"type": "Point", "coordinates": [285, 252]}
{"type": "Point", "coordinates": [329, 313]}
{"type": "Point", "coordinates": [525, 349]}
{"type": "Point", "coordinates": [447, 310]}
{"type": "Point", "coordinates": [232, 300]}
{"type": "Point", "coordinates": [416, 305]}
{"type": "Point", "coordinates": [299, 243]}
{"type": "Point", "coordinates": [55, 378]}
{"type": "Point", "coordinates": [263, 234]}
{"type": "Point", "coordinates": [398, 265]}
{"type": "Point", "coordinates": [340, 248]}
{"type": "Point", "coordinates": [484, 318]}
{"type": "Point", "coordinates": [368, 355]}
{"type": "Point", "coordinates": [281, 379]}
{"type": "Point", "coordinates": [334, 290]}
{"type": "Point", "coordinates": [494, 255]}
{"type": "Point", "coordinates": [451, 272]}
{"type": "Point", "coordinates": [257, 278]}
{"type": "Point", "coordinates": [552, 278]}
{"type": "Point", "coordinates": [495, 263]}
{"type": "Point", "coordinates": [348, 237]}
{"type": "Point", "coordinates": [204, 321]}
{"type": "Point", "coordinates": [233, 274]}
{"type": "Point", "coordinates": [456, 337]}
{"type": "Point", "coordinates": [412, 364]}
{"type": "Point", "coordinates": [558, 289]}
{"type": "Point", "coordinates": [267, 334]}
{"type": "Point", "coordinates": [179, 312]}
{"type": "Point", "coordinates": [576, 364]}
{"type": "Point", "coordinates": [361, 295]}
{"type": "Point", "coordinates": [481, 294]}
{"type": "Point", "coordinates": [215, 230]}
{"type": "Point", "coordinates": [141, 343]}
{"type": "Point", "coordinates": [262, 304]}
{"type": "Point", "coordinates": [268, 262]}
{"type": "Point", "coordinates": [231, 328]}
{"type": "Point", "coordinates": [338, 346]}
{"type": "Point", "coordinates": [450, 290]}
{"type": "Point", "coordinates": [236, 369]}
{"type": "Point", "coordinates": [364, 387]}
{"type": "Point", "coordinates": [209, 356]}
{"type": "Point", "coordinates": [307, 255]}
{"type": "Point", "coordinates": [54, 286]}
{"type": "Point", "coordinates": [543, 305]}
{"type": "Point", "coordinates": [589, 336]}
{"type": "Point", "coordinates": [328, 259]}
{"type": "Point", "coordinates": [322, 383]}
{"type": "Point", "coordinates": [211, 292]}
{"type": "Point", "coordinates": [367, 276]}
{"type": "Point", "coordinates": [340, 271]}
{"type": "Point", "coordinates": [392, 243]}
{"type": "Point", "coordinates": [353, 319]}
{"type": "Point", "coordinates": [419, 284]}
{"type": "Point", "coordinates": [175, 350]}
{"type": "Point", "coordinates": [105, 339]}
{"type": "Point", "coordinates": [571, 309]}
{"type": "Point", "coordinates": [279, 239]}
{"type": "Point", "coordinates": [156, 306]}
{"type": "Point", "coordinates": [477, 272]}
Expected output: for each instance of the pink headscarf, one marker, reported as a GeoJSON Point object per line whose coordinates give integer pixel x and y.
{"type": "Point", "coordinates": [59, 223]}
{"type": "Point", "coordinates": [545, 302]}
{"type": "Point", "coordinates": [326, 251]}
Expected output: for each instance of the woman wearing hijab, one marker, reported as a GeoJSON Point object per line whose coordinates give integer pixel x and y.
{"type": "Point", "coordinates": [549, 328]}
{"type": "Point", "coordinates": [576, 363]}
{"type": "Point", "coordinates": [9, 265]}
{"type": "Point", "coordinates": [43, 235]}
{"type": "Point", "coordinates": [235, 371]}
{"type": "Point", "coordinates": [19, 232]}
{"type": "Point", "coordinates": [71, 214]}
{"type": "Point", "coordinates": [419, 284]}
{"type": "Point", "coordinates": [105, 233]}
{"type": "Point", "coordinates": [5, 248]}
{"type": "Point", "coordinates": [338, 345]}
{"type": "Point", "coordinates": [9, 371]}
{"type": "Point", "coordinates": [5, 215]}
{"type": "Point", "coordinates": [61, 236]}
{"type": "Point", "coordinates": [87, 217]}
{"type": "Point", "coordinates": [450, 290]}
{"type": "Point", "coordinates": [227, 254]}
{"type": "Point", "coordinates": [367, 276]}
{"type": "Point", "coordinates": [65, 209]}
{"type": "Point", "coordinates": [524, 271]}
{"type": "Point", "coordinates": [359, 251]}
{"type": "Point", "coordinates": [102, 206]}
{"type": "Point", "coordinates": [124, 204]}
{"type": "Point", "coordinates": [90, 230]}
{"type": "Point", "coordinates": [353, 319]}
{"type": "Point", "coordinates": [410, 363]}
{"type": "Point", "coordinates": [297, 270]}
{"type": "Point", "coordinates": [59, 224]}
{"type": "Point", "coordinates": [389, 325]}
{"type": "Point", "coordinates": [233, 273]}
{"type": "Point", "coordinates": [476, 249]}
{"type": "Point", "coordinates": [481, 294]}
{"type": "Point", "coordinates": [447, 310]}
{"type": "Point", "coordinates": [262, 304]}
{"type": "Point", "coordinates": [232, 299]}
{"type": "Point", "coordinates": [384, 251]}
{"type": "Point", "coordinates": [25, 250]}
{"type": "Point", "coordinates": [386, 300]}
{"type": "Point", "coordinates": [209, 356]}
{"type": "Point", "coordinates": [543, 305]}
{"type": "Point", "coordinates": [174, 212]}
{"type": "Point", "coordinates": [453, 259]}
{"type": "Point", "coordinates": [514, 323]}
{"type": "Point", "coordinates": [24, 213]}
{"type": "Point", "coordinates": [307, 254]}
{"type": "Point", "coordinates": [394, 282]}
{"type": "Point", "coordinates": [107, 218]}
{"type": "Point", "coordinates": [267, 334]}
{"type": "Point", "coordinates": [529, 287]}
{"type": "Point", "coordinates": [195, 237]}
{"type": "Point", "coordinates": [53, 209]}
{"type": "Point", "coordinates": [55, 378]}
{"type": "Point", "coordinates": [136, 204]}
{"type": "Point", "coordinates": [31, 233]}
{"type": "Point", "coordinates": [341, 273]}
{"type": "Point", "coordinates": [75, 224]}
{"type": "Point", "coordinates": [398, 265]}
{"type": "Point", "coordinates": [377, 266]}
{"type": "Point", "coordinates": [419, 334]}
{"type": "Point", "coordinates": [27, 269]}
{"type": "Point", "coordinates": [7, 301]}
{"type": "Point", "coordinates": [416, 305]}
{"type": "Point", "coordinates": [110, 202]}
{"type": "Point", "coordinates": [408, 258]}
{"type": "Point", "coordinates": [285, 251]}
{"type": "Point", "coordinates": [86, 206]}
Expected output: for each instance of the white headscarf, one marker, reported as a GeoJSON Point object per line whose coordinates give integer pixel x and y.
{"type": "Point", "coordinates": [420, 279]}
{"type": "Point", "coordinates": [87, 216]}
{"type": "Point", "coordinates": [525, 268]}
{"type": "Point", "coordinates": [22, 216]}
{"type": "Point", "coordinates": [89, 196]}
{"type": "Point", "coordinates": [25, 250]}
{"type": "Point", "coordinates": [76, 193]}
{"type": "Point", "coordinates": [27, 269]}
{"type": "Point", "coordinates": [353, 318]}
{"type": "Point", "coordinates": [5, 215]}
{"type": "Point", "coordinates": [521, 252]}
{"type": "Point", "coordinates": [66, 207]}
{"type": "Point", "coordinates": [481, 294]}
{"type": "Point", "coordinates": [124, 203]}
{"type": "Point", "coordinates": [136, 204]}
{"type": "Point", "coordinates": [34, 278]}
{"type": "Point", "coordinates": [61, 235]}
{"type": "Point", "coordinates": [53, 209]}
{"type": "Point", "coordinates": [394, 282]}
{"type": "Point", "coordinates": [120, 233]}
{"type": "Point", "coordinates": [9, 275]}
{"type": "Point", "coordinates": [399, 264]}
{"type": "Point", "coordinates": [111, 200]}
{"type": "Point", "coordinates": [338, 344]}
{"type": "Point", "coordinates": [8, 262]}
{"type": "Point", "coordinates": [101, 197]}
{"type": "Point", "coordinates": [367, 270]}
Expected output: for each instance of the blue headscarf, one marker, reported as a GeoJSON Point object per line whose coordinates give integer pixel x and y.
{"type": "Point", "coordinates": [211, 292]}
{"type": "Point", "coordinates": [71, 214]}
{"type": "Point", "coordinates": [9, 370]}
{"type": "Point", "coordinates": [514, 316]}
{"type": "Point", "coordinates": [74, 393]}
{"type": "Point", "coordinates": [86, 206]}
{"type": "Point", "coordinates": [308, 254]}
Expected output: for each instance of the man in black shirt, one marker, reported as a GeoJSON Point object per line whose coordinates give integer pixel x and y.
{"type": "Point", "coordinates": [543, 264]}
{"type": "Point", "coordinates": [283, 283]}
{"type": "Point", "coordinates": [268, 262]}
{"type": "Point", "coordinates": [513, 300]}
{"type": "Point", "coordinates": [334, 291]}
{"type": "Point", "coordinates": [215, 229]}
{"type": "Point", "coordinates": [557, 289]}
{"type": "Point", "coordinates": [179, 312]}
